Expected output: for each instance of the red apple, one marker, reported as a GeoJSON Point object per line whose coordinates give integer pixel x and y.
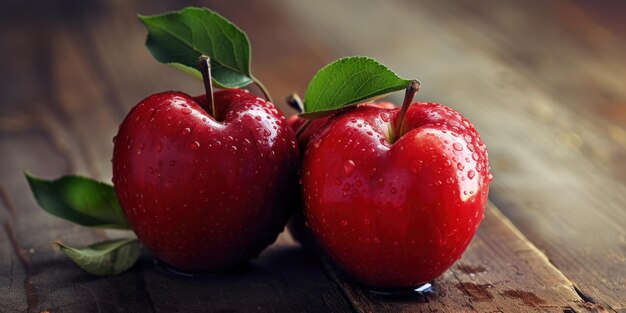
{"type": "Point", "coordinates": [205, 193]}
{"type": "Point", "coordinates": [296, 225]}
{"type": "Point", "coordinates": [395, 209]}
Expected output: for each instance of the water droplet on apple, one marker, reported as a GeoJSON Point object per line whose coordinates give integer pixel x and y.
{"type": "Point", "coordinates": [471, 174]}
{"type": "Point", "coordinates": [376, 240]}
{"type": "Point", "coordinates": [393, 190]}
{"type": "Point", "coordinates": [186, 131]}
{"type": "Point", "coordinates": [348, 167]}
{"type": "Point", "coordinates": [447, 163]}
{"type": "Point", "coordinates": [416, 166]}
{"type": "Point", "coordinates": [468, 138]}
{"type": "Point", "coordinates": [186, 111]}
{"type": "Point", "coordinates": [195, 145]}
{"type": "Point", "coordinates": [457, 146]}
{"type": "Point", "coordinates": [344, 222]}
{"type": "Point", "coordinates": [475, 156]}
{"type": "Point", "coordinates": [366, 221]}
{"type": "Point", "coordinates": [460, 166]}
{"type": "Point", "coordinates": [114, 139]}
{"type": "Point", "coordinates": [233, 148]}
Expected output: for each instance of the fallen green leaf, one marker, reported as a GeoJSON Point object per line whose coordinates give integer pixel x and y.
{"type": "Point", "coordinates": [105, 258]}
{"type": "Point", "coordinates": [80, 200]}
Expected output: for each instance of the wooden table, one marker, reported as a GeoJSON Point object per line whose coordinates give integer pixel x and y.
{"type": "Point", "coordinates": [544, 82]}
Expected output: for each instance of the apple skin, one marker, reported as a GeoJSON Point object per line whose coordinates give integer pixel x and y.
{"type": "Point", "coordinates": [206, 195]}
{"type": "Point", "coordinates": [297, 224]}
{"type": "Point", "coordinates": [395, 215]}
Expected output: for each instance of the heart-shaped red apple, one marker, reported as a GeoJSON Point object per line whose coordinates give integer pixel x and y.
{"type": "Point", "coordinates": [394, 196]}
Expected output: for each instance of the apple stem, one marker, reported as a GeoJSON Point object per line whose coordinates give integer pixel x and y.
{"type": "Point", "coordinates": [205, 68]}
{"type": "Point", "coordinates": [411, 90]}
{"type": "Point", "coordinates": [302, 128]}
{"type": "Point", "coordinates": [294, 101]}
{"type": "Point", "coordinates": [264, 90]}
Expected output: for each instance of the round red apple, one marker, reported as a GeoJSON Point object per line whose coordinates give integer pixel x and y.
{"type": "Point", "coordinates": [395, 208]}
{"type": "Point", "coordinates": [205, 193]}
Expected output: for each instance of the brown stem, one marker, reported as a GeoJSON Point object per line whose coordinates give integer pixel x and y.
{"type": "Point", "coordinates": [205, 68]}
{"type": "Point", "coordinates": [411, 90]}
{"type": "Point", "coordinates": [295, 102]}
{"type": "Point", "coordinates": [264, 90]}
{"type": "Point", "coordinates": [302, 128]}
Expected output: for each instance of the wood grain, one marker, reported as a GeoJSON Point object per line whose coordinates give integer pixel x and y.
{"type": "Point", "coordinates": [77, 67]}
{"type": "Point", "coordinates": [500, 272]}
{"type": "Point", "coordinates": [534, 86]}
{"type": "Point", "coordinates": [83, 81]}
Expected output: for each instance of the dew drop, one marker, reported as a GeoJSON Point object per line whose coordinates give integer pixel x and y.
{"type": "Point", "coordinates": [457, 146]}
{"type": "Point", "coordinates": [186, 131]}
{"type": "Point", "coordinates": [471, 174]}
{"type": "Point", "coordinates": [195, 145]}
{"type": "Point", "coordinates": [460, 166]}
{"type": "Point", "coordinates": [348, 167]}
{"type": "Point", "coordinates": [186, 111]}
{"type": "Point", "coordinates": [447, 163]}
{"type": "Point", "coordinates": [344, 222]}
{"type": "Point", "coordinates": [475, 156]}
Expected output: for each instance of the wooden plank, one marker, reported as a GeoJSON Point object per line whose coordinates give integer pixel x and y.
{"type": "Point", "coordinates": [285, 278]}
{"type": "Point", "coordinates": [84, 74]}
{"type": "Point", "coordinates": [557, 167]}
{"type": "Point", "coordinates": [500, 272]}
{"type": "Point", "coordinates": [39, 135]}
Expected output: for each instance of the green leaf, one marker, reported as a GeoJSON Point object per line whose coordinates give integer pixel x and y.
{"type": "Point", "coordinates": [80, 200]}
{"type": "Point", "coordinates": [105, 258]}
{"type": "Point", "coordinates": [349, 81]}
{"type": "Point", "coordinates": [180, 38]}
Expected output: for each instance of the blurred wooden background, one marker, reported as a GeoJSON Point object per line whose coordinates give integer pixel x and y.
{"type": "Point", "coordinates": [543, 81]}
